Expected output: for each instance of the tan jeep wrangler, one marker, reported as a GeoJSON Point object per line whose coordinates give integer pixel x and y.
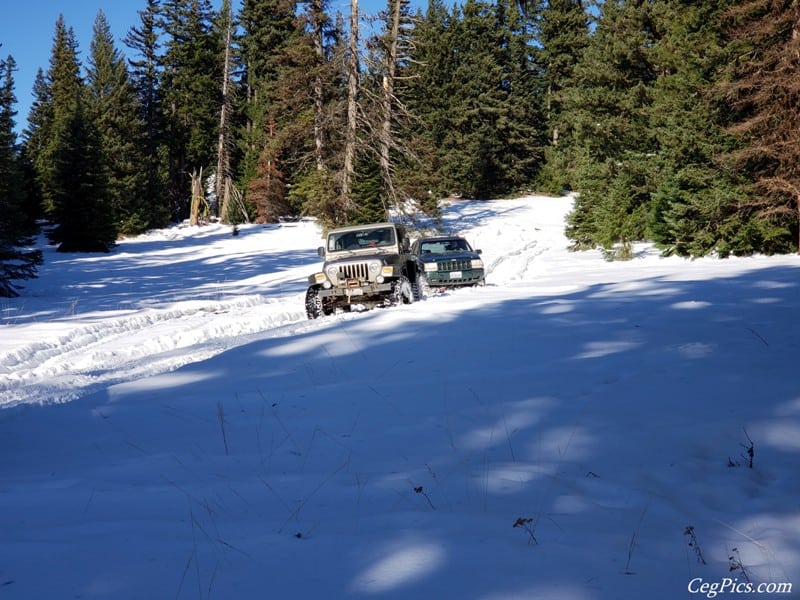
{"type": "Point", "coordinates": [365, 266]}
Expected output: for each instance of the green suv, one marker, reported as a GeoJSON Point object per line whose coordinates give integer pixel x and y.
{"type": "Point", "coordinates": [446, 262]}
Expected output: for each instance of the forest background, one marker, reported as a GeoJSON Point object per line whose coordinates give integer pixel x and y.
{"type": "Point", "coordinates": [675, 121]}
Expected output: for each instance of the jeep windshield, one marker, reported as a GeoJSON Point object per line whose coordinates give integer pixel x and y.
{"type": "Point", "coordinates": [361, 239]}
{"type": "Point", "coordinates": [444, 246]}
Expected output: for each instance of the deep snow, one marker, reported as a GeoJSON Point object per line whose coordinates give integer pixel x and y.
{"type": "Point", "coordinates": [173, 427]}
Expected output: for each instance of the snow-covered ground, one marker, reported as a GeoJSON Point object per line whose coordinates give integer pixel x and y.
{"type": "Point", "coordinates": [173, 427]}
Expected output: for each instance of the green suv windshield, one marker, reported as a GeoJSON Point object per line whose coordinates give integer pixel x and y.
{"type": "Point", "coordinates": [443, 246]}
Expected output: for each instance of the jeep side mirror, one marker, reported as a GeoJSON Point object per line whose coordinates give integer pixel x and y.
{"type": "Point", "coordinates": [321, 251]}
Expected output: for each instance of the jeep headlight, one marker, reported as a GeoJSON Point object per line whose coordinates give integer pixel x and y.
{"type": "Point", "coordinates": [430, 266]}
{"type": "Point", "coordinates": [374, 266]}
{"type": "Point", "coordinates": [476, 263]}
{"type": "Point", "coordinates": [332, 272]}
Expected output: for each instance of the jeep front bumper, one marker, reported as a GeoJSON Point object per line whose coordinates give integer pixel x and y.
{"type": "Point", "coordinates": [357, 291]}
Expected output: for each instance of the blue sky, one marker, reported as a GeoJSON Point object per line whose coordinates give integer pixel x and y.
{"type": "Point", "coordinates": [27, 32]}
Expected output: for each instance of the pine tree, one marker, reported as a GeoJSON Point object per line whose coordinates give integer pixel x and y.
{"type": "Point", "coordinates": [115, 111]}
{"type": "Point", "coordinates": [693, 206]}
{"type": "Point", "coordinates": [646, 133]}
{"type": "Point", "coordinates": [614, 153]}
{"type": "Point", "coordinates": [523, 128]}
{"type": "Point", "coordinates": [427, 94]}
{"type": "Point", "coordinates": [69, 163]}
{"type": "Point", "coordinates": [562, 35]}
{"type": "Point", "coordinates": [475, 90]}
{"type": "Point", "coordinates": [146, 78]}
{"type": "Point", "coordinates": [17, 260]}
{"type": "Point", "coordinates": [79, 201]}
{"type": "Point", "coordinates": [490, 146]}
{"type": "Point", "coordinates": [191, 94]}
{"type": "Point", "coordinates": [35, 135]}
{"type": "Point", "coordinates": [279, 63]}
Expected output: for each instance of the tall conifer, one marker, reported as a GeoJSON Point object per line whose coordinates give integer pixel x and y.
{"type": "Point", "coordinates": [17, 260]}
{"type": "Point", "coordinates": [69, 163]}
{"type": "Point", "coordinates": [146, 79]}
{"type": "Point", "coordinates": [115, 111]}
{"type": "Point", "coordinates": [191, 94]}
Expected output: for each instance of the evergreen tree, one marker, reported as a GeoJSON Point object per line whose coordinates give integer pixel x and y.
{"type": "Point", "coordinates": [40, 116]}
{"type": "Point", "coordinates": [562, 35]}
{"type": "Point", "coordinates": [69, 163]}
{"type": "Point", "coordinates": [115, 112]}
{"type": "Point", "coordinates": [523, 128]}
{"type": "Point", "coordinates": [693, 205]}
{"type": "Point", "coordinates": [427, 94]}
{"type": "Point", "coordinates": [270, 29]}
{"type": "Point", "coordinates": [79, 200]}
{"type": "Point", "coordinates": [645, 133]}
{"type": "Point", "coordinates": [369, 193]}
{"type": "Point", "coordinates": [191, 94]}
{"type": "Point", "coordinates": [288, 78]}
{"type": "Point", "coordinates": [146, 79]}
{"type": "Point", "coordinates": [17, 260]}
{"type": "Point", "coordinates": [614, 154]}
{"type": "Point", "coordinates": [477, 97]}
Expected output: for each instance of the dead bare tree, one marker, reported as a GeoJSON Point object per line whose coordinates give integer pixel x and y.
{"type": "Point", "coordinates": [318, 86]}
{"type": "Point", "coordinates": [765, 91]}
{"type": "Point", "coordinates": [224, 181]}
{"type": "Point", "coordinates": [390, 71]}
{"type": "Point", "coordinates": [197, 206]}
{"type": "Point", "coordinates": [352, 107]}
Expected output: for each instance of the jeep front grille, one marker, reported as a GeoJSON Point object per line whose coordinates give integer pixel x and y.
{"type": "Point", "coordinates": [354, 271]}
{"type": "Point", "coordinates": [459, 264]}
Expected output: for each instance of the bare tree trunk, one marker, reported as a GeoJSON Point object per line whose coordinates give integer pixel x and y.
{"type": "Point", "coordinates": [352, 107]}
{"type": "Point", "coordinates": [197, 197]}
{"type": "Point", "coordinates": [390, 70]}
{"type": "Point", "coordinates": [223, 179]}
{"type": "Point", "coordinates": [318, 87]}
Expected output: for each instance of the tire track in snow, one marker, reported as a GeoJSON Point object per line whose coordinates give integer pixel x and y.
{"type": "Point", "coordinates": [94, 356]}
{"type": "Point", "coordinates": [524, 252]}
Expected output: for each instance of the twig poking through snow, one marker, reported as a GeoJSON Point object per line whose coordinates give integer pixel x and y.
{"type": "Point", "coordinates": [735, 561]}
{"type": "Point", "coordinates": [693, 544]}
{"type": "Point", "coordinates": [527, 524]}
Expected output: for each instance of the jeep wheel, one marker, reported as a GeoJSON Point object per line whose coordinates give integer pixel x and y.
{"type": "Point", "coordinates": [313, 303]}
{"type": "Point", "coordinates": [421, 287]}
{"type": "Point", "coordinates": [401, 292]}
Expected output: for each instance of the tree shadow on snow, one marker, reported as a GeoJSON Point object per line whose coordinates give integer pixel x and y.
{"type": "Point", "coordinates": [400, 448]}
